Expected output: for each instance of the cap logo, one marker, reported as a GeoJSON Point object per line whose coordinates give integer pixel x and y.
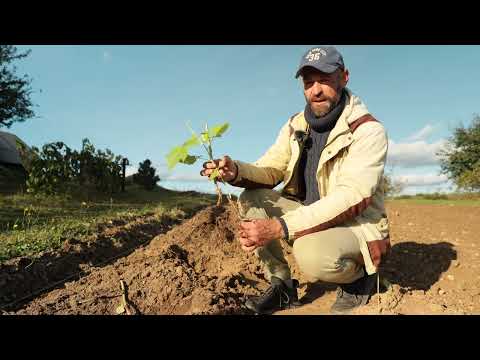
{"type": "Point", "coordinates": [314, 54]}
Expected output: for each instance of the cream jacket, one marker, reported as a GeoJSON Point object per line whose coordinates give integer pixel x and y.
{"type": "Point", "coordinates": [349, 176]}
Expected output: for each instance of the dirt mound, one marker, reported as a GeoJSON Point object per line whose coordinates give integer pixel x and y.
{"type": "Point", "coordinates": [196, 268]}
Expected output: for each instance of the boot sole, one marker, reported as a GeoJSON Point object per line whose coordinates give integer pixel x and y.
{"type": "Point", "coordinates": [364, 302]}
{"type": "Point", "coordinates": [251, 308]}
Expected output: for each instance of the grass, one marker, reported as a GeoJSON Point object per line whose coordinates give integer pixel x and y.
{"type": "Point", "coordinates": [436, 202]}
{"type": "Point", "coordinates": [467, 199]}
{"type": "Point", "coordinates": [32, 224]}
{"type": "Point", "coordinates": [11, 178]}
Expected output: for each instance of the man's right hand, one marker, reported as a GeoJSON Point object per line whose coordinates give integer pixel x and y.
{"type": "Point", "coordinates": [227, 168]}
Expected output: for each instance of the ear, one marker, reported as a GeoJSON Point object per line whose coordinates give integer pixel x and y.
{"type": "Point", "coordinates": [344, 78]}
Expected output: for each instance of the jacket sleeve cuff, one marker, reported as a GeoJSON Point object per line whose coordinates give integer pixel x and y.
{"type": "Point", "coordinates": [291, 224]}
{"type": "Point", "coordinates": [237, 177]}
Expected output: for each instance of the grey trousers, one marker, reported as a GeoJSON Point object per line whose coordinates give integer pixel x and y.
{"type": "Point", "coordinates": [332, 255]}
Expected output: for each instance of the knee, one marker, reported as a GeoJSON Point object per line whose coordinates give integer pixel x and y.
{"type": "Point", "coordinates": [253, 196]}
{"type": "Point", "coordinates": [322, 264]}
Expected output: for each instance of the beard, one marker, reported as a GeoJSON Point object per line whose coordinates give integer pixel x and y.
{"type": "Point", "coordinates": [322, 109]}
{"type": "Point", "coordinates": [327, 105]}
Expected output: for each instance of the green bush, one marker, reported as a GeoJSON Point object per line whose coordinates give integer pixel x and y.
{"type": "Point", "coordinates": [435, 196]}
{"type": "Point", "coordinates": [404, 197]}
{"type": "Point", "coordinates": [59, 169]}
{"type": "Point", "coordinates": [145, 176]}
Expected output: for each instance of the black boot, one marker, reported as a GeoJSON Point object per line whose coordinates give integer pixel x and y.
{"type": "Point", "coordinates": [280, 295]}
{"type": "Point", "coordinates": [351, 296]}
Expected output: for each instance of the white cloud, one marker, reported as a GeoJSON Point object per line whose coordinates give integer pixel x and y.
{"type": "Point", "coordinates": [130, 170]}
{"type": "Point", "coordinates": [422, 134]}
{"type": "Point", "coordinates": [184, 177]}
{"type": "Point", "coordinates": [415, 150]}
{"type": "Point", "coordinates": [421, 180]}
{"type": "Point", "coordinates": [107, 56]}
{"type": "Point", "coordinates": [414, 154]}
{"type": "Point", "coordinates": [165, 175]}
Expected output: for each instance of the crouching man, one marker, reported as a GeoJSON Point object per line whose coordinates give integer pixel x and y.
{"type": "Point", "coordinates": [331, 159]}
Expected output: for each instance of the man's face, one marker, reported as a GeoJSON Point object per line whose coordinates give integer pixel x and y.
{"type": "Point", "coordinates": [323, 91]}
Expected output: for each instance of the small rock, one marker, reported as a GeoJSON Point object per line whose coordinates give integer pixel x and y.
{"type": "Point", "coordinates": [441, 292]}
{"type": "Point", "coordinates": [179, 271]}
{"type": "Point", "coordinates": [436, 307]}
{"type": "Point", "coordinates": [450, 277]}
{"type": "Point", "coordinates": [456, 263]}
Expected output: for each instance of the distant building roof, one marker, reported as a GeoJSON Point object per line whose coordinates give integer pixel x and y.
{"type": "Point", "coordinates": [9, 153]}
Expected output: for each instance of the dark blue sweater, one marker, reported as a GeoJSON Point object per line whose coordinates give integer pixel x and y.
{"type": "Point", "coordinates": [315, 143]}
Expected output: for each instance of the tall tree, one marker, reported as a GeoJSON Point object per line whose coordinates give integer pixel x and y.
{"type": "Point", "coordinates": [392, 187]}
{"type": "Point", "coordinates": [460, 158]}
{"type": "Point", "coordinates": [15, 91]}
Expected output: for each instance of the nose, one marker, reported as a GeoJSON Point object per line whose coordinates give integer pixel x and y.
{"type": "Point", "coordinates": [316, 89]}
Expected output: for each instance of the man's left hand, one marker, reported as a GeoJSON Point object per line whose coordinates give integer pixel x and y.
{"type": "Point", "coordinates": [259, 232]}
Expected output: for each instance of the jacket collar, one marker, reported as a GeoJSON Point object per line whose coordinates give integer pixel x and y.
{"type": "Point", "coordinates": [353, 110]}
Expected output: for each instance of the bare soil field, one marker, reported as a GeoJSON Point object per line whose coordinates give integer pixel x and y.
{"type": "Point", "coordinates": [197, 267]}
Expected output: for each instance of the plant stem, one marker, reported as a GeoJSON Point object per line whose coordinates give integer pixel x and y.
{"type": "Point", "coordinates": [219, 191]}
{"type": "Point", "coordinates": [229, 198]}
{"type": "Point", "coordinates": [201, 140]}
{"type": "Point", "coordinates": [208, 148]}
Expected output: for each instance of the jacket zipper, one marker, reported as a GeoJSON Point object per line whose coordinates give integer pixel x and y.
{"type": "Point", "coordinates": [300, 152]}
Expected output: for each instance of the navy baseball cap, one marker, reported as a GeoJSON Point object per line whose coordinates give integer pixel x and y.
{"type": "Point", "coordinates": [327, 59]}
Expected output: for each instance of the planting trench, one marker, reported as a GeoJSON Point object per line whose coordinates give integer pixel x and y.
{"type": "Point", "coordinates": [195, 268]}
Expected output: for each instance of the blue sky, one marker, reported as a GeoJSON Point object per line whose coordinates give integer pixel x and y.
{"type": "Point", "coordinates": [135, 100]}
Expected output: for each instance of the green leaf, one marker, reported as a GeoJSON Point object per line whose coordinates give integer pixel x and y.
{"type": "Point", "coordinates": [215, 174]}
{"type": "Point", "coordinates": [179, 154]}
{"type": "Point", "coordinates": [194, 140]}
{"type": "Point", "coordinates": [205, 137]}
{"type": "Point", "coordinates": [190, 159]}
{"type": "Point", "coordinates": [176, 155]}
{"type": "Point", "coordinates": [218, 130]}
